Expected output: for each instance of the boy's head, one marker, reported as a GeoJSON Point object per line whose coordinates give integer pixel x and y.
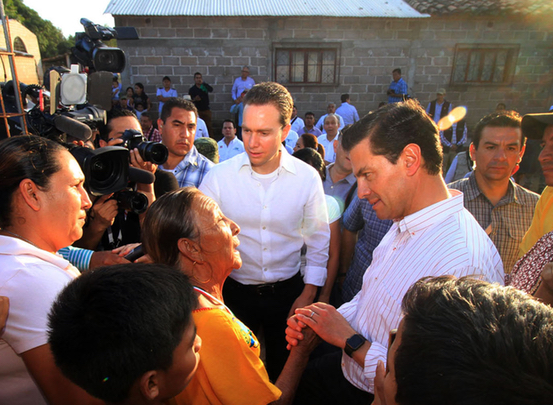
{"type": "Point", "coordinates": [125, 333]}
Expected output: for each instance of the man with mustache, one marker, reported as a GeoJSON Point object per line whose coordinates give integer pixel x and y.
{"type": "Point", "coordinates": [502, 208]}
{"type": "Point", "coordinates": [540, 126]}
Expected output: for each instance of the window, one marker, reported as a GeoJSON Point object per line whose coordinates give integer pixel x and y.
{"type": "Point", "coordinates": [19, 45]}
{"type": "Point", "coordinates": [484, 64]}
{"type": "Point", "coordinates": [305, 66]}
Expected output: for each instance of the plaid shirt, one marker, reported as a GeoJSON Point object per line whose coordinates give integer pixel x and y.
{"type": "Point", "coordinates": [191, 170]}
{"type": "Point", "coordinates": [360, 216]}
{"type": "Point", "coordinates": [399, 87]}
{"type": "Point", "coordinates": [153, 135]}
{"type": "Point", "coordinates": [507, 222]}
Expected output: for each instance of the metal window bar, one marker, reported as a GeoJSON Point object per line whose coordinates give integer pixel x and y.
{"type": "Point", "coordinates": [18, 99]}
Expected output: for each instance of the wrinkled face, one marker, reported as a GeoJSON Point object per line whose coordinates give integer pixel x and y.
{"type": "Point", "coordinates": [228, 130]}
{"type": "Point", "coordinates": [331, 109]}
{"type": "Point", "coordinates": [245, 73]}
{"type": "Point", "coordinates": [440, 98]}
{"type": "Point", "coordinates": [498, 153]}
{"type": "Point", "coordinates": [380, 182]}
{"type": "Point", "coordinates": [299, 144]}
{"type": "Point", "coordinates": [186, 357]}
{"type": "Point", "coordinates": [198, 80]}
{"type": "Point", "coordinates": [218, 236]}
{"type": "Point", "coordinates": [546, 155]}
{"type": "Point", "coordinates": [331, 126]}
{"type": "Point", "coordinates": [309, 121]}
{"type": "Point", "coordinates": [263, 135]}
{"type": "Point", "coordinates": [166, 84]}
{"type": "Point", "coordinates": [145, 122]}
{"type": "Point", "coordinates": [396, 76]}
{"type": "Point", "coordinates": [178, 131]}
{"type": "Point", "coordinates": [64, 204]}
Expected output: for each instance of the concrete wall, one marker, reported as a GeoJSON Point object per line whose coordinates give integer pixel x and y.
{"type": "Point", "coordinates": [369, 50]}
{"type": "Point", "coordinates": [29, 69]}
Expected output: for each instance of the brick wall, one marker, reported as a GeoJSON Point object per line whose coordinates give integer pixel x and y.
{"type": "Point", "coordinates": [29, 68]}
{"type": "Point", "coordinates": [369, 50]}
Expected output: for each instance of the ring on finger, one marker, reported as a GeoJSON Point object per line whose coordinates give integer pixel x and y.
{"type": "Point", "coordinates": [312, 313]}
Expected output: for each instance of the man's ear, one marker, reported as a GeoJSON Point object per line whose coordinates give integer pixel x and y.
{"type": "Point", "coordinates": [335, 144]}
{"type": "Point", "coordinates": [159, 124]}
{"type": "Point", "coordinates": [149, 385]}
{"type": "Point", "coordinates": [412, 158]}
{"type": "Point", "coordinates": [190, 249]}
{"type": "Point", "coordinates": [285, 132]}
{"type": "Point", "coordinates": [472, 151]}
{"type": "Point", "coordinates": [30, 193]}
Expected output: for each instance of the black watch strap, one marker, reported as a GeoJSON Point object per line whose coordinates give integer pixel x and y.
{"type": "Point", "coordinates": [354, 343]}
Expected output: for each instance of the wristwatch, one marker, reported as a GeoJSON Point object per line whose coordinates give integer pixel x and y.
{"type": "Point", "coordinates": [354, 343]}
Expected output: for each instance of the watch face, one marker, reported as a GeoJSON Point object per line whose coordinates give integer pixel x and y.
{"type": "Point", "coordinates": [356, 341]}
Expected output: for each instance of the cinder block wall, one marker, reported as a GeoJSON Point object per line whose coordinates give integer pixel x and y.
{"type": "Point", "coordinates": [369, 50]}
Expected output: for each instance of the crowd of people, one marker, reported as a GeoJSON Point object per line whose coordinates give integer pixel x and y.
{"type": "Point", "coordinates": [338, 243]}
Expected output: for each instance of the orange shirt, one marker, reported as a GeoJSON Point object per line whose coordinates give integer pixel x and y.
{"type": "Point", "coordinates": [230, 370]}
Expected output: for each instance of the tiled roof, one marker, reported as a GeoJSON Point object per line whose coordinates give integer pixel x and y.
{"type": "Point", "coordinates": [483, 7]}
{"type": "Point", "coordinates": [258, 8]}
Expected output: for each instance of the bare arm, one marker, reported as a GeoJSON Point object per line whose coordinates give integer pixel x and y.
{"type": "Point", "coordinates": [333, 262]}
{"type": "Point", "coordinates": [289, 378]}
{"type": "Point", "coordinates": [57, 389]}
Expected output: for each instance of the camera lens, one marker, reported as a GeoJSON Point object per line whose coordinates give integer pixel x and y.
{"type": "Point", "coordinates": [101, 169]}
{"type": "Point", "coordinates": [153, 152]}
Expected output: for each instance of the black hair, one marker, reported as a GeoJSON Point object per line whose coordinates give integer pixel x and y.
{"type": "Point", "coordinates": [466, 341]}
{"type": "Point", "coordinates": [112, 324]}
{"type": "Point", "coordinates": [25, 157]}
{"type": "Point", "coordinates": [176, 102]}
{"type": "Point", "coordinates": [344, 98]}
{"type": "Point", "coordinates": [165, 78]}
{"type": "Point", "coordinates": [197, 73]}
{"type": "Point", "coordinates": [499, 119]}
{"type": "Point", "coordinates": [167, 220]}
{"type": "Point", "coordinates": [394, 126]}
{"type": "Point", "coordinates": [312, 158]}
{"type": "Point", "coordinates": [104, 130]}
{"type": "Point", "coordinates": [397, 70]}
{"type": "Point", "coordinates": [309, 113]}
{"type": "Point", "coordinates": [231, 121]}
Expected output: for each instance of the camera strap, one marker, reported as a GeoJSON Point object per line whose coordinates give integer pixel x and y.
{"type": "Point", "coordinates": [112, 241]}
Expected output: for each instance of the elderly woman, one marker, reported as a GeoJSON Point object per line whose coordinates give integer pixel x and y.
{"type": "Point", "coordinates": [186, 229]}
{"type": "Point", "coordinates": [42, 209]}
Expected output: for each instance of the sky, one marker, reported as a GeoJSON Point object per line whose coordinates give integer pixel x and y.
{"type": "Point", "coordinates": [66, 15]}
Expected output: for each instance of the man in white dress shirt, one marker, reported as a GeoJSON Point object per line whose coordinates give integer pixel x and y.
{"type": "Point", "coordinates": [296, 122]}
{"type": "Point", "coordinates": [347, 111]}
{"type": "Point", "coordinates": [330, 109]}
{"type": "Point", "coordinates": [278, 201]}
{"type": "Point", "coordinates": [230, 145]}
{"type": "Point", "coordinates": [244, 82]}
{"type": "Point", "coordinates": [396, 157]}
{"type": "Point", "coordinates": [327, 139]}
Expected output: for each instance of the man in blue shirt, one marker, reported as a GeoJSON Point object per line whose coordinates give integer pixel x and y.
{"type": "Point", "coordinates": [398, 88]}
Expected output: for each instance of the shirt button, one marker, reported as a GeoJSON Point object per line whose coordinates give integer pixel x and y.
{"type": "Point", "coordinates": [264, 268]}
{"type": "Point", "coordinates": [264, 248]}
{"type": "Point", "coordinates": [264, 228]}
{"type": "Point", "coordinates": [264, 207]}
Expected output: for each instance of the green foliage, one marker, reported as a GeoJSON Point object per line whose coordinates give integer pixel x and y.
{"type": "Point", "coordinates": [50, 39]}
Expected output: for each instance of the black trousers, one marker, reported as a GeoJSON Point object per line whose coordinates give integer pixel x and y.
{"type": "Point", "coordinates": [323, 383]}
{"type": "Point", "coordinates": [265, 306]}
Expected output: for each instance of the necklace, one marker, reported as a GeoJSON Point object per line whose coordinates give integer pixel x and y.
{"type": "Point", "coordinates": [204, 292]}
{"type": "Point", "coordinates": [18, 236]}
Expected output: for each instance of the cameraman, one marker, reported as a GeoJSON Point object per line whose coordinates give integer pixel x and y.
{"type": "Point", "coordinates": [107, 228]}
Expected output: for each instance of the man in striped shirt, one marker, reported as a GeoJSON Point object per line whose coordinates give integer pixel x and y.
{"type": "Point", "coordinates": [396, 157]}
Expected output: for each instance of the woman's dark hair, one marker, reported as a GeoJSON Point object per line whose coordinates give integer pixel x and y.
{"type": "Point", "coordinates": [312, 158]}
{"type": "Point", "coordinates": [169, 219]}
{"type": "Point", "coordinates": [309, 141]}
{"type": "Point", "coordinates": [130, 87]}
{"type": "Point", "coordinates": [140, 86]}
{"type": "Point", "coordinates": [25, 157]}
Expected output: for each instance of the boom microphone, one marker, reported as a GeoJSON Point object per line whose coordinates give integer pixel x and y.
{"type": "Point", "coordinates": [72, 127]}
{"type": "Point", "coordinates": [141, 176]}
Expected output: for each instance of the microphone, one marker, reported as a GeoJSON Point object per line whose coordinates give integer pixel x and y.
{"type": "Point", "coordinates": [72, 127]}
{"type": "Point", "coordinates": [141, 176]}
